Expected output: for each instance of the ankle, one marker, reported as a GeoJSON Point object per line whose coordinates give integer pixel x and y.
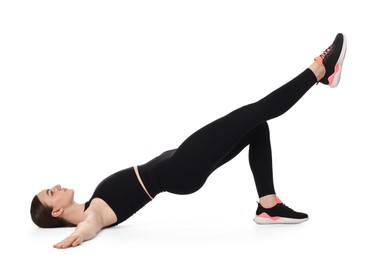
{"type": "Point", "coordinates": [268, 201]}
{"type": "Point", "coordinates": [318, 70]}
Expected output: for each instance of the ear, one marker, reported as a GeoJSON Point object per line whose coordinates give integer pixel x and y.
{"type": "Point", "coordinates": [56, 213]}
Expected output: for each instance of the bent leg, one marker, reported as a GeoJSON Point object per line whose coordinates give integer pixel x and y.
{"type": "Point", "coordinates": [260, 158]}
{"type": "Point", "coordinates": [201, 153]}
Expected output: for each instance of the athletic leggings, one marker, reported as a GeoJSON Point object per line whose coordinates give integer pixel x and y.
{"type": "Point", "coordinates": [204, 151]}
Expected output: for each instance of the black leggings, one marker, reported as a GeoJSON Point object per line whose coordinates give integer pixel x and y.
{"type": "Point", "coordinates": [220, 141]}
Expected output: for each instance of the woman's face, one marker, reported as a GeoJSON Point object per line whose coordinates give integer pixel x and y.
{"type": "Point", "coordinates": [56, 197]}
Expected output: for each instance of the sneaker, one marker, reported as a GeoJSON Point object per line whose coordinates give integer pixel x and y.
{"type": "Point", "coordinates": [332, 59]}
{"type": "Point", "coordinates": [279, 214]}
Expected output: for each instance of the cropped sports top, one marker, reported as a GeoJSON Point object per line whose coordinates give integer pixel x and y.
{"type": "Point", "coordinates": [123, 192]}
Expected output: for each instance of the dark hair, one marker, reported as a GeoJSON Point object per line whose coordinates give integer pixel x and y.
{"type": "Point", "coordinates": [41, 216]}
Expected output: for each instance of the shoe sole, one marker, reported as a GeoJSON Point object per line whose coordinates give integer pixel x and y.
{"type": "Point", "coordinates": [334, 79]}
{"type": "Point", "coordinates": [269, 221]}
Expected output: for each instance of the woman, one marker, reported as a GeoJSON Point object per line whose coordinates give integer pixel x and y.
{"type": "Point", "coordinates": [184, 170]}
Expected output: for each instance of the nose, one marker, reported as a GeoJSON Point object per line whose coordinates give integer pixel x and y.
{"type": "Point", "coordinates": [57, 187]}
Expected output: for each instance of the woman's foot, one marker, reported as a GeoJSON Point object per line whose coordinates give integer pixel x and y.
{"type": "Point", "coordinates": [328, 66]}
{"type": "Point", "coordinates": [278, 214]}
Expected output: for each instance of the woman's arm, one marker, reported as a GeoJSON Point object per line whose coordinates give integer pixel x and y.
{"type": "Point", "coordinates": [85, 230]}
{"type": "Point", "coordinates": [97, 216]}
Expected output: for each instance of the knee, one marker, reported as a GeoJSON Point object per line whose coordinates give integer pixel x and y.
{"type": "Point", "coordinates": [262, 129]}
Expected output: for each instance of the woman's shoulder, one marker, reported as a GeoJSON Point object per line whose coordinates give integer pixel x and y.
{"type": "Point", "coordinates": [101, 209]}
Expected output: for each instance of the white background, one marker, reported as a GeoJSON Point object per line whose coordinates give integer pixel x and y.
{"type": "Point", "coordinates": [88, 88]}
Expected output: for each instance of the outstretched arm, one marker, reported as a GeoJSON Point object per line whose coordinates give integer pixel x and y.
{"type": "Point", "coordinates": [96, 217]}
{"type": "Point", "coordinates": [85, 230]}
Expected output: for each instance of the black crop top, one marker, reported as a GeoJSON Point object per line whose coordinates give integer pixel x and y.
{"type": "Point", "coordinates": [123, 192]}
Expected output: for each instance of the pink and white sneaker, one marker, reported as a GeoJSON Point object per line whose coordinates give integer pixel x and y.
{"type": "Point", "coordinates": [332, 59]}
{"type": "Point", "coordinates": [279, 214]}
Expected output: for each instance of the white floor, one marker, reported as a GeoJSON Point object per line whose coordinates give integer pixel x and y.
{"type": "Point", "coordinates": [90, 88]}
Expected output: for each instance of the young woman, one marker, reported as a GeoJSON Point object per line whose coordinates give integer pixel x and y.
{"type": "Point", "coordinates": [184, 170]}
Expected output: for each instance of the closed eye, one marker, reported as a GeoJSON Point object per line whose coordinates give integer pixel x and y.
{"type": "Point", "coordinates": [50, 192]}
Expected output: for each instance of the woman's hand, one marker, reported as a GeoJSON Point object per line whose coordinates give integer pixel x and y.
{"type": "Point", "coordinates": [73, 240]}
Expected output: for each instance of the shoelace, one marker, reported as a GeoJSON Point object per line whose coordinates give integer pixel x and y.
{"type": "Point", "coordinates": [286, 206]}
{"type": "Point", "coordinates": [326, 52]}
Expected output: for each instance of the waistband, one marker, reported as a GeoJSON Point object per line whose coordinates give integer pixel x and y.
{"type": "Point", "coordinates": [141, 182]}
{"type": "Point", "coordinates": [149, 177]}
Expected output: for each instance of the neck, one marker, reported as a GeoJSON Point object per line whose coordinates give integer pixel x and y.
{"type": "Point", "coordinates": [75, 213]}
